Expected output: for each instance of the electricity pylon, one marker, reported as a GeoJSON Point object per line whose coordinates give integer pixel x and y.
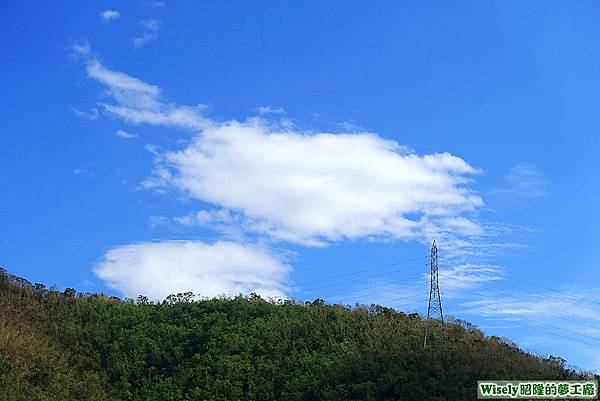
{"type": "Point", "coordinates": [434, 309]}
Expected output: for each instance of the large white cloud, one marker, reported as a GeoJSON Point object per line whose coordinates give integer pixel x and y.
{"type": "Point", "coordinates": [310, 188]}
{"type": "Point", "coordinates": [291, 185]}
{"type": "Point", "coordinates": [157, 269]}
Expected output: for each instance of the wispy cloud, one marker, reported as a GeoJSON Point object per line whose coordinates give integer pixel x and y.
{"type": "Point", "coordinates": [154, 3]}
{"type": "Point", "coordinates": [567, 313]}
{"type": "Point", "coordinates": [86, 169]}
{"type": "Point", "coordinates": [269, 110]}
{"type": "Point", "coordinates": [87, 283]}
{"type": "Point", "coordinates": [458, 278]}
{"type": "Point", "coordinates": [558, 303]}
{"type": "Point", "coordinates": [109, 15]}
{"type": "Point", "coordinates": [138, 102]}
{"type": "Point", "coordinates": [524, 181]}
{"type": "Point", "coordinates": [82, 172]}
{"type": "Point", "coordinates": [125, 135]}
{"type": "Point", "coordinates": [149, 32]}
{"type": "Point", "coordinates": [350, 127]}
{"type": "Point", "coordinates": [157, 269]}
{"type": "Point", "coordinates": [92, 114]}
{"type": "Point", "coordinates": [159, 221]}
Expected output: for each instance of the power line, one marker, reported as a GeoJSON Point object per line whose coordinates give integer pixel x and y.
{"type": "Point", "coordinates": [404, 305]}
{"type": "Point", "coordinates": [542, 311]}
{"type": "Point", "coordinates": [375, 286]}
{"type": "Point", "coordinates": [542, 287]}
{"type": "Point", "coordinates": [557, 317]}
{"type": "Point", "coordinates": [544, 294]}
{"type": "Point", "coordinates": [364, 278]}
{"type": "Point", "coordinates": [358, 271]}
{"type": "Point", "coordinates": [546, 324]}
{"type": "Point", "coordinates": [389, 300]}
{"type": "Point", "coordinates": [555, 334]}
{"type": "Point", "coordinates": [538, 323]}
{"type": "Point", "coordinates": [550, 297]}
{"type": "Point", "coordinates": [360, 278]}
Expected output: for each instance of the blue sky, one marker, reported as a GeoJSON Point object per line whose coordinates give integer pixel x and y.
{"type": "Point", "coordinates": [264, 146]}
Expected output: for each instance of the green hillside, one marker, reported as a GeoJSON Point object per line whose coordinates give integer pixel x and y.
{"type": "Point", "coordinates": [70, 346]}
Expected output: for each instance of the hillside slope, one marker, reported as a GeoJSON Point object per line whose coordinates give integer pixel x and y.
{"type": "Point", "coordinates": [69, 346]}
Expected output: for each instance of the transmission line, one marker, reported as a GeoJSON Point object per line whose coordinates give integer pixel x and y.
{"type": "Point", "coordinates": [553, 298]}
{"type": "Point", "coordinates": [360, 278]}
{"type": "Point", "coordinates": [536, 322]}
{"type": "Point", "coordinates": [375, 286]}
{"type": "Point", "coordinates": [358, 271]}
{"type": "Point", "coordinates": [543, 294]}
{"type": "Point", "coordinates": [387, 300]}
{"type": "Point", "coordinates": [555, 334]}
{"type": "Point", "coordinates": [557, 317]}
{"type": "Point", "coordinates": [548, 289]}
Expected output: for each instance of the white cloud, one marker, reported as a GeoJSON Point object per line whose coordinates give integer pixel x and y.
{"type": "Point", "coordinates": [206, 218]}
{"type": "Point", "coordinates": [565, 312]}
{"type": "Point", "coordinates": [460, 277]}
{"type": "Point", "coordinates": [125, 135]}
{"type": "Point", "coordinates": [524, 181]}
{"type": "Point", "coordinates": [92, 114]}
{"type": "Point", "coordinates": [297, 186]}
{"type": "Point", "coordinates": [82, 172]}
{"type": "Point", "coordinates": [109, 15]}
{"type": "Point", "coordinates": [269, 110]}
{"type": "Point", "coordinates": [566, 303]}
{"type": "Point", "coordinates": [310, 188]}
{"type": "Point", "coordinates": [140, 103]}
{"type": "Point", "coordinates": [87, 283]}
{"type": "Point", "coordinates": [149, 32]}
{"type": "Point", "coordinates": [154, 3]}
{"type": "Point", "coordinates": [350, 127]}
{"type": "Point", "coordinates": [86, 170]}
{"type": "Point", "coordinates": [81, 48]}
{"type": "Point", "coordinates": [158, 221]}
{"type": "Point", "coordinates": [157, 269]}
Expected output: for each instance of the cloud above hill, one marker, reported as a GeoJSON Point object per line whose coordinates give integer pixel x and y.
{"type": "Point", "coordinates": [157, 269]}
{"type": "Point", "coordinates": [312, 188]}
{"type": "Point", "coordinates": [291, 185]}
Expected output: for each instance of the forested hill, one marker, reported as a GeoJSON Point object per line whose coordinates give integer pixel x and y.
{"type": "Point", "coordinates": [70, 346]}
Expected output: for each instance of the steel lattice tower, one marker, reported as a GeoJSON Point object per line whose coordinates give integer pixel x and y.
{"type": "Point", "coordinates": [435, 301]}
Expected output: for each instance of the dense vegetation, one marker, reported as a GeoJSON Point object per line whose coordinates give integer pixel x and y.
{"type": "Point", "coordinates": [70, 346]}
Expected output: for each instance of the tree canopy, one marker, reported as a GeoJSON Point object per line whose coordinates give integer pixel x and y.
{"type": "Point", "coordinates": [73, 346]}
